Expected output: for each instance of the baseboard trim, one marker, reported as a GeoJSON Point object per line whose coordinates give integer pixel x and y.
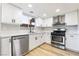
{"type": "Point", "coordinates": [72, 50]}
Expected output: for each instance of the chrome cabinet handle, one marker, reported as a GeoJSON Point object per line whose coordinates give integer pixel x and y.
{"type": "Point", "coordinates": [41, 36]}
{"type": "Point", "coordinates": [35, 38]}
{"type": "Point", "coordinates": [13, 20]}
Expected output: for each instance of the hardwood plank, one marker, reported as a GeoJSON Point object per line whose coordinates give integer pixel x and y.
{"type": "Point", "coordinates": [40, 52]}
{"type": "Point", "coordinates": [53, 49]}
{"type": "Point", "coordinates": [48, 50]}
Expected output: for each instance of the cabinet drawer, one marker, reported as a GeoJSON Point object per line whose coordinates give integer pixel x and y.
{"type": "Point", "coordinates": [72, 36]}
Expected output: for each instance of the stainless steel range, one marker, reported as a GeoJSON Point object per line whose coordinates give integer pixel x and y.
{"type": "Point", "coordinates": [58, 38]}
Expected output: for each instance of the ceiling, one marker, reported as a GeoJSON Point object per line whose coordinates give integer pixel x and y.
{"type": "Point", "coordinates": [49, 8]}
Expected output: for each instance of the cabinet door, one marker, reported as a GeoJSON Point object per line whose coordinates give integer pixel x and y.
{"type": "Point", "coordinates": [49, 22]}
{"type": "Point", "coordinates": [17, 15]}
{"type": "Point", "coordinates": [42, 38]}
{"type": "Point", "coordinates": [74, 18]}
{"type": "Point", "coordinates": [38, 22]}
{"type": "Point", "coordinates": [12, 15]}
{"type": "Point", "coordinates": [71, 18]}
{"type": "Point", "coordinates": [69, 41]}
{"type": "Point", "coordinates": [72, 42]}
{"type": "Point", "coordinates": [7, 13]}
{"type": "Point", "coordinates": [44, 23]}
{"type": "Point", "coordinates": [33, 42]}
{"type": "Point", "coordinates": [48, 38]}
{"type": "Point", "coordinates": [5, 47]}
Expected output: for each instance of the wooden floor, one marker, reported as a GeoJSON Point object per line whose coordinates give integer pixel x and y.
{"type": "Point", "coordinates": [48, 50]}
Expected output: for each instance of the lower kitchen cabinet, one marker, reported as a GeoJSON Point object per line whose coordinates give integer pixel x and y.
{"type": "Point", "coordinates": [47, 38]}
{"type": "Point", "coordinates": [42, 38]}
{"type": "Point", "coordinates": [72, 42]}
{"type": "Point", "coordinates": [38, 39]}
{"type": "Point", "coordinates": [33, 41]}
{"type": "Point", "coordinates": [5, 46]}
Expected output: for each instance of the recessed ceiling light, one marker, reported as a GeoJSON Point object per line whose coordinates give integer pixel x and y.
{"type": "Point", "coordinates": [57, 10]}
{"type": "Point", "coordinates": [44, 14]}
{"type": "Point", "coordinates": [29, 5]}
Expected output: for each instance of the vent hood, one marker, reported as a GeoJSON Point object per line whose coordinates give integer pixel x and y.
{"type": "Point", "coordinates": [59, 20]}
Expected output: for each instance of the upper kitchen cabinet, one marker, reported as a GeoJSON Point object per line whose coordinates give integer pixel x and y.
{"type": "Point", "coordinates": [38, 22]}
{"type": "Point", "coordinates": [47, 22]}
{"type": "Point", "coordinates": [71, 18]}
{"type": "Point", "coordinates": [13, 15]}
{"type": "Point", "coordinates": [7, 13]}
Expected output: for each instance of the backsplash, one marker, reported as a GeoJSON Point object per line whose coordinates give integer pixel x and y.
{"type": "Point", "coordinates": [12, 28]}
{"type": "Point", "coordinates": [43, 29]}
{"type": "Point", "coordinates": [17, 28]}
{"type": "Point", "coordinates": [72, 29]}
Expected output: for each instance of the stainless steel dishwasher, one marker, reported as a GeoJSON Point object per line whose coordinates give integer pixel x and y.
{"type": "Point", "coordinates": [19, 45]}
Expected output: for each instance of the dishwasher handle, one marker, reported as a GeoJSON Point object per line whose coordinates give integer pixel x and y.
{"type": "Point", "coordinates": [18, 38]}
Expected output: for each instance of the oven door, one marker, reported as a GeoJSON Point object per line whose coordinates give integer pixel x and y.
{"type": "Point", "coordinates": [58, 39]}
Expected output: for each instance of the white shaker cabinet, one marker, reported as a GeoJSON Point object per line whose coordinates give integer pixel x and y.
{"type": "Point", "coordinates": [17, 15]}
{"type": "Point", "coordinates": [71, 18]}
{"type": "Point", "coordinates": [48, 38]}
{"type": "Point", "coordinates": [44, 22]}
{"type": "Point", "coordinates": [38, 22]}
{"type": "Point", "coordinates": [33, 41]}
{"type": "Point", "coordinates": [5, 46]}
{"type": "Point", "coordinates": [13, 15]}
{"type": "Point", "coordinates": [47, 22]}
{"type": "Point", "coordinates": [42, 36]}
{"type": "Point", "coordinates": [7, 13]}
{"type": "Point", "coordinates": [72, 42]}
